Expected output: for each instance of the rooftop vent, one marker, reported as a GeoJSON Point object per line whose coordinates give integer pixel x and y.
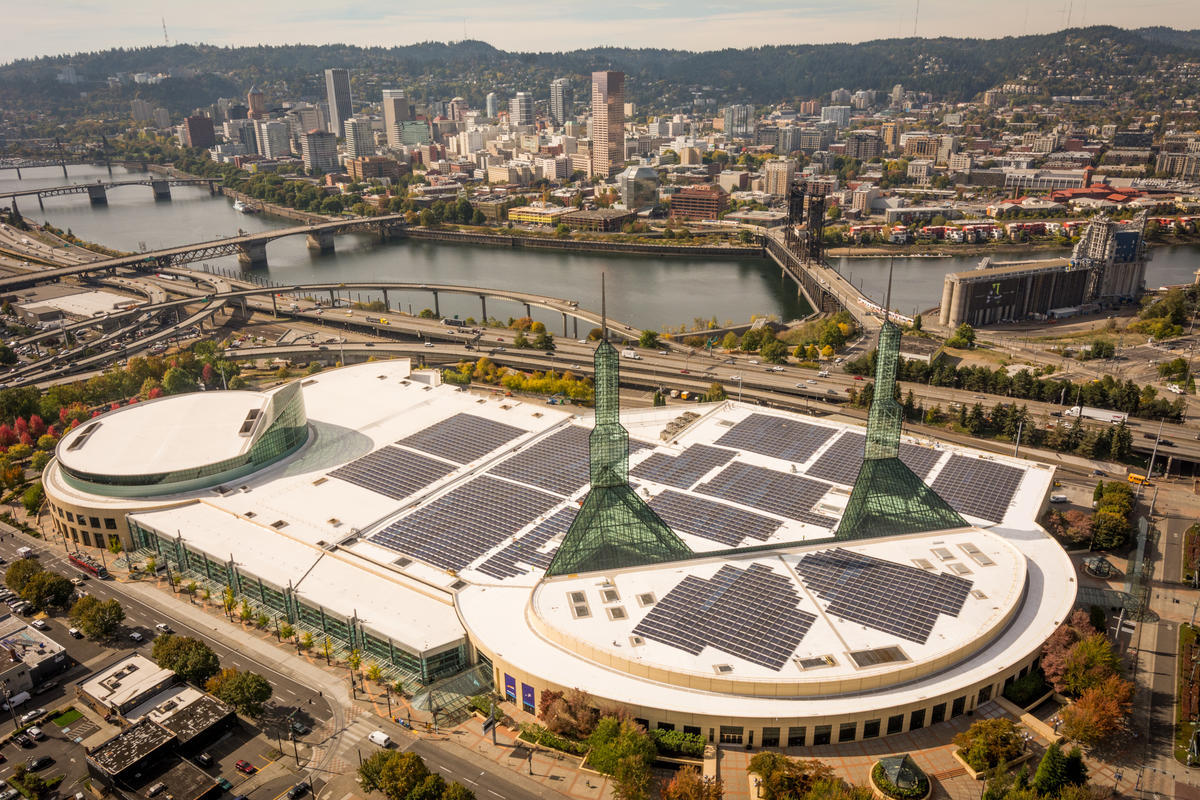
{"type": "Point", "coordinates": [978, 556]}
{"type": "Point", "coordinates": [636, 641]}
{"type": "Point", "coordinates": [82, 438]}
{"type": "Point", "coordinates": [248, 422]}
{"type": "Point", "coordinates": [645, 599]}
{"type": "Point", "coordinates": [978, 595]}
{"type": "Point", "coordinates": [319, 481]}
{"type": "Point", "coordinates": [458, 585]}
{"type": "Point", "coordinates": [402, 562]}
{"type": "Point", "coordinates": [250, 515]}
{"type": "Point", "coordinates": [880, 655]}
{"type": "Point", "coordinates": [616, 613]}
{"type": "Point", "coordinates": [958, 568]}
{"type": "Point", "coordinates": [278, 524]}
{"type": "Point", "coordinates": [924, 563]}
{"type": "Point", "coordinates": [308, 382]}
{"type": "Point", "coordinates": [816, 662]}
{"type": "Point", "coordinates": [610, 596]}
{"type": "Point", "coordinates": [722, 669]}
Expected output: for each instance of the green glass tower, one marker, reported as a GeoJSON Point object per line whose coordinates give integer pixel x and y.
{"type": "Point", "coordinates": [614, 528]}
{"type": "Point", "coordinates": [888, 498]}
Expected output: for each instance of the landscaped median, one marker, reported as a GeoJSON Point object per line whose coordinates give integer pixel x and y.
{"type": "Point", "coordinates": [1188, 707]}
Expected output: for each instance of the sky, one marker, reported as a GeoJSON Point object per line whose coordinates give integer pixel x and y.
{"type": "Point", "coordinates": [84, 25]}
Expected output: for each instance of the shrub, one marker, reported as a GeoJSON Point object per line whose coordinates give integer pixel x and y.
{"type": "Point", "coordinates": [892, 790]}
{"type": "Point", "coordinates": [537, 734]}
{"type": "Point", "coordinates": [1024, 691]}
{"type": "Point", "coordinates": [678, 743]}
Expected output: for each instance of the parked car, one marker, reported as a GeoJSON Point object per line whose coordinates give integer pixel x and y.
{"type": "Point", "coordinates": [299, 728]}
{"type": "Point", "coordinates": [40, 624]}
{"type": "Point", "coordinates": [30, 716]}
{"type": "Point", "coordinates": [204, 760]}
{"type": "Point", "coordinates": [41, 762]}
{"type": "Point", "coordinates": [299, 790]}
{"type": "Point", "coordinates": [48, 686]}
{"type": "Point", "coordinates": [75, 633]}
{"type": "Point", "coordinates": [135, 636]}
{"type": "Point", "coordinates": [21, 740]}
{"type": "Point", "coordinates": [163, 627]}
{"type": "Point", "coordinates": [9, 794]}
{"type": "Point", "coordinates": [35, 733]}
{"type": "Point", "coordinates": [246, 767]}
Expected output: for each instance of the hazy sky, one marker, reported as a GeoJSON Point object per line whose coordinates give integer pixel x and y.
{"type": "Point", "coordinates": [68, 26]}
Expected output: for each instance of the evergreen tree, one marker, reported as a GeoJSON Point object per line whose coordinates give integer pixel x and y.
{"type": "Point", "coordinates": [1098, 492]}
{"type": "Point", "coordinates": [1051, 773]}
{"type": "Point", "coordinates": [1075, 771]}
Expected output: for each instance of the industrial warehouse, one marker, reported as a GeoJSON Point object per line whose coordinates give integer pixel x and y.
{"type": "Point", "coordinates": [752, 576]}
{"type": "Point", "coordinates": [1106, 268]}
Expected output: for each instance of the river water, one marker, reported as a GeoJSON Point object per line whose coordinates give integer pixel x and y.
{"type": "Point", "coordinates": [643, 291]}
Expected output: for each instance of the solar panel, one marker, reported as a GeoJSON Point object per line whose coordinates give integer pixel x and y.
{"type": "Point", "coordinates": [750, 613]}
{"type": "Point", "coordinates": [393, 472]}
{"type": "Point", "coordinates": [466, 522]}
{"type": "Point", "coordinates": [558, 463]}
{"type": "Point", "coordinates": [684, 469]}
{"type": "Point", "coordinates": [525, 550]}
{"type": "Point", "coordinates": [790, 496]}
{"type": "Point", "coordinates": [977, 487]}
{"type": "Point", "coordinates": [778, 437]}
{"type": "Point", "coordinates": [462, 438]}
{"type": "Point", "coordinates": [711, 520]}
{"type": "Point", "coordinates": [889, 597]}
{"type": "Point", "coordinates": [842, 460]}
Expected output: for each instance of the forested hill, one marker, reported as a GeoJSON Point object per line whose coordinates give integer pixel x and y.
{"type": "Point", "coordinates": [1079, 61]}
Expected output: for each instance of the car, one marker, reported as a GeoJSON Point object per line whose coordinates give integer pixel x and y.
{"type": "Point", "coordinates": [1099, 472]}
{"type": "Point", "coordinates": [21, 740]}
{"type": "Point", "coordinates": [78, 580]}
{"type": "Point", "coordinates": [858, 377]}
{"type": "Point", "coordinates": [685, 372]}
{"type": "Point", "coordinates": [9, 794]}
{"type": "Point", "coordinates": [40, 624]}
{"type": "Point", "coordinates": [754, 361]}
{"type": "Point", "coordinates": [163, 627]}
{"type": "Point", "coordinates": [225, 784]}
{"type": "Point", "coordinates": [831, 391]}
{"type": "Point", "coordinates": [429, 344]}
{"type": "Point", "coordinates": [576, 366]}
{"type": "Point", "coordinates": [135, 636]}
{"type": "Point", "coordinates": [735, 377]}
{"type": "Point", "coordinates": [41, 762]}
{"type": "Point", "coordinates": [810, 381]}
{"type": "Point", "coordinates": [299, 728]}
{"type": "Point", "coordinates": [204, 760]}
{"type": "Point", "coordinates": [775, 369]}
{"type": "Point", "coordinates": [48, 686]}
{"type": "Point", "coordinates": [75, 633]}
{"type": "Point", "coordinates": [246, 767]}
{"type": "Point", "coordinates": [35, 733]}
{"type": "Point", "coordinates": [30, 716]}
{"type": "Point", "coordinates": [299, 790]}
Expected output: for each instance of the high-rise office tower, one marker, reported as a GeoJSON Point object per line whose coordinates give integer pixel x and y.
{"type": "Point", "coordinates": [739, 122]}
{"type": "Point", "coordinates": [395, 111]}
{"type": "Point", "coordinates": [560, 100]}
{"type": "Point", "coordinates": [319, 151]}
{"type": "Point", "coordinates": [142, 111]}
{"type": "Point", "coordinates": [491, 105]}
{"type": "Point", "coordinates": [274, 140]}
{"type": "Point", "coordinates": [257, 103]}
{"type": "Point", "coordinates": [780, 172]}
{"type": "Point", "coordinates": [608, 122]}
{"type": "Point", "coordinates": [337, 92]}
{"type": "Point", "coordinates": [520, 109]}
{"type": "Point", "coordinates": [198, 131]}
{"type": "Point", "coordinates": [360, 141]}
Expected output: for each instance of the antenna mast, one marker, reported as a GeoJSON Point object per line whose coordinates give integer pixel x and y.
{"type": "Point", "coordinates": [603, 312]}
{"type": "Point", "coordinates": [166, 41]}
{"type": "Point", "coordinates": [916, 14]}
{"type": "Point", "coordinates": [887, 303]}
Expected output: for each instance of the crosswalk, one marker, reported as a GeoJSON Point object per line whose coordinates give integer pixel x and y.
{"type": "Point", "coordinates": [346, 748]}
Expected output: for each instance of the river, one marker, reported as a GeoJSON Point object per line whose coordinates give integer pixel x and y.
{"type": "Point", "coordinates": [643, 291]}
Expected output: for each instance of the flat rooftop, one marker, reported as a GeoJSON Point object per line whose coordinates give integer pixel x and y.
{"type": "Point", "coordinates": [31, 646]}
{"type": "Point", "coordinates": [130, 746]}
{"type": "Point", "coordinates": [125, 680]}
{"type": "Point", "coordinates": [163, 435]}
{"type": "Point", "coordinates": [85, 304]}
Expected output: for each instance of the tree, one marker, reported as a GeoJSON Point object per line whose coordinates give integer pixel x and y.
{"type": "Point", "coordinates": [990, 742]}
{"type": "Point", "coordinates": [964, 337]}
{"type": "Point", "coordinates": [689, 784]}
{"type": "Point", "coordinates": [97, 619]}
{"type": "Point", "coordinates": [19, 573]}
{"type": "Point", "coordinates": [1058, 647]}
{"type": "Point", "coordinates": [616, 739]}
{"type": "Point", "coordinates": [543, 341]}
{"type": "Point", "coordinates": [245, 691]}
{"type": "Point", "coordinates": [1075, 770]}
{"type": "Point", "coordinates": [286, 631]}
{"type": "Point", "coordinates": [176, 380]}
{"type": "Point", "coordinates": [715, 393]}
{"type": "Point", "coordinates": [47, 589]}
{"type": "Point", "coordinates": [394, 773]}
{"type": "Point", "coordinates": [456, 791]}
{"type": "Point", "coordinates": [730, 342]}
{"type": "Point", "coordinates": [1051, 773]}
{"type": "Point", "coordinates": [784, 778]}
{"type": "Point", "coordinates": [32, 497]}
{"type": "Point", "coordinates": [632, 779]}
{"type": "Point", "coordinates": [1089, 663]}
{"type": "Point", "coordinates": [190, 659]}
{"type": "Point", "coordinates": [774, 352]}
{"type": "Point", "coordinates": [1100, 712]}
{"type": "Point", "coordinates": [916, 324]}
{"type": "Point", "coordinates": [648, 339]}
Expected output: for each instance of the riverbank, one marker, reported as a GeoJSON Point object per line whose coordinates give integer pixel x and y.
{"type": "Point", "coordinates": [580, 245]}
{"type": "Point", "coordinates": [945, 250]}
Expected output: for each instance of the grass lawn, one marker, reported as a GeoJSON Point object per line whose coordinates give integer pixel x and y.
{"type": "Point", "coordinates": [1183, 725]}
{"type": "Point", "coordinates": [67, 717]}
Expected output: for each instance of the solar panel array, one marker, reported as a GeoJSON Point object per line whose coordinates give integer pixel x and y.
{"type": "Point", "coordinates": [711, 520]}
{"type": "Point", "coordinates": [777, 437]}
{"type": "Point", "coordinates": [525, 550]}
{"type": "Point", "coordinates": [842, 460]}
{"type": "Point", "coordinates": [462, 438]}
{"type": "Point", "coordinates": [751, 614]}
{"type": "Point", "coordinates": [466, 522]}
{"type": "Point", "coordinates": [790, 496]}
{"type": "Point", "coordinates": [393, 472]}
{"type": "Point", "coordinates": [980, 488]}
{"type": "Point", "coordinates": [889, 597]}
{"type": "Point", "coordinates": [558, 463]}
{"type": "Point", "coordinates": [685, 469]}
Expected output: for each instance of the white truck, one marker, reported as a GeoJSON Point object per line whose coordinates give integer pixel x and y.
{"type": "Point", "coordinates": [25, 552]}
{"type": "Point", "coordinates": [630, 353]}
{"type": "Point", "coordinates": [1101, 414]}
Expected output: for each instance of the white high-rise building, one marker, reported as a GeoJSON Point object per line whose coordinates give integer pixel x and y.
{"type": "Point", "coordinates": [838, 115]}
{"type": "Point", "coordinates": [360, 140]}
{"type": "Point", "coordinates": [779, 174]}
{"type": "Point", "coordinates": [274, 138]}
{"type": "Point", "coordinates": [319, 150]}
{"type": "Point", "coordinates": [520, 109]}
{"type": "Point", "coordinates": [560, 100]}
{"type": "Point", "coordinates": [395, 111]}
{"type": "Point", "coordinates": [491, 105]}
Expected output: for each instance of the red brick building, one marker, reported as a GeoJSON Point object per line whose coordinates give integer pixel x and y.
{"type": "Point", "coordinates": [699, 202]}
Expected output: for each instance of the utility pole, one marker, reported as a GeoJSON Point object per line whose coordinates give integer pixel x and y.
{"type": "Point", "coordinates": [1153, 453]}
